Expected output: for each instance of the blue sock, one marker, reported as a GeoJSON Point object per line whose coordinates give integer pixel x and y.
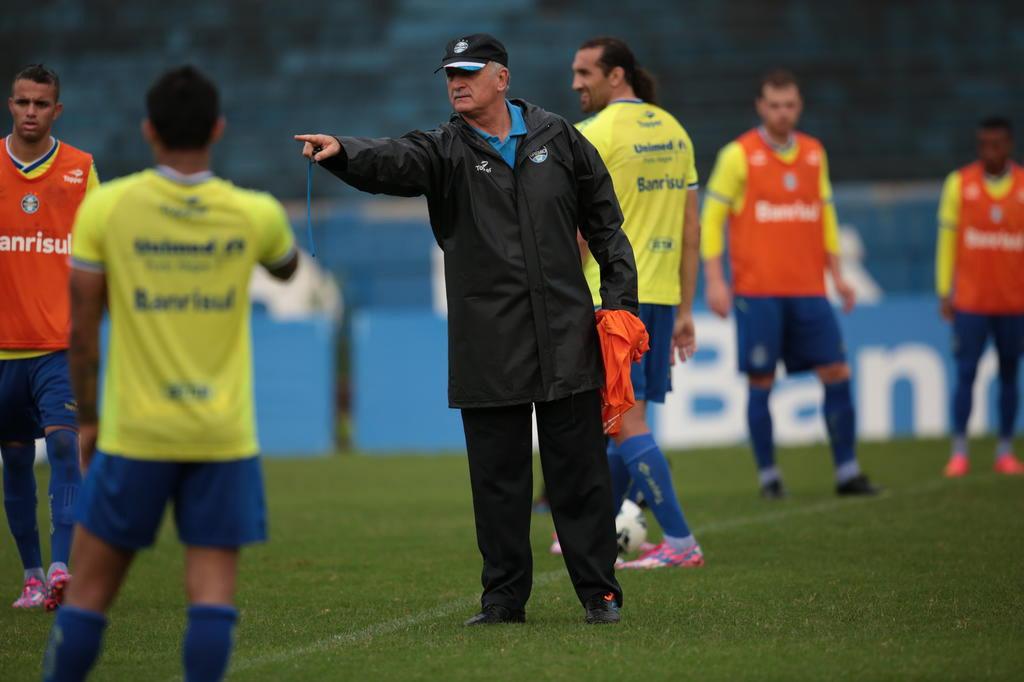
{"type": "Point", "coordinates": [208, 642]}
{"type": "Point", "coordinates": [65, 479]}
{"type": "Point", "coordinates": [963, 395]}
{"type": "Point", "coordinates": [620, 475]}
{"type": "Point", "coordinates": [74, 644]}
{"type": "Point", "coordinates": [1008, 398]}
{"type": "Point", "coordinates": [759, 423]}
{"type": "Point", "coordinates": [20, 502]}
{"type": "Point", "coordinates": [649, 469]}
{"type": "Point", "coordinates": [840, 421]}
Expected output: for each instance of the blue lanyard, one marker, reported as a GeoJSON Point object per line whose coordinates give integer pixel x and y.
{"type": "Point", "coordinates": [309, 208]}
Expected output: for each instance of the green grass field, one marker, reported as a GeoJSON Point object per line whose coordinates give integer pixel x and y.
{"type": "Point", "coordinates": [372, 567]}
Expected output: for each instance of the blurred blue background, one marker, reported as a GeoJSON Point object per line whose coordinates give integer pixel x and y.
{"type": "Point", "coordinates": [893, 89]}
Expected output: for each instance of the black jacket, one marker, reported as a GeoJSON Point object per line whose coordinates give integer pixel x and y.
{"type": "Point", "coordinates": [520, 315]}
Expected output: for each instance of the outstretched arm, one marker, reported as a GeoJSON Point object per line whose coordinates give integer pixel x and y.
{"type": "Point", "coordinates": [406, 166]}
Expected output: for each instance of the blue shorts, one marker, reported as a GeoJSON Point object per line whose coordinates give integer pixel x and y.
{"type": "Point", "coordinates": [35, 393]}
{"type": "Point", "coordinates": [802, 331]}
{"type": "Point", "coordinates": [652, 376]}
{"type": "Point", "coordinates": [971, 333]}
{"type": "Point", "coordinates": [216, 504]}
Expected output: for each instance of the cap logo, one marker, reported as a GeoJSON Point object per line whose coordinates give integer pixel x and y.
{"type": "Point", "coordinates": [460, 47]}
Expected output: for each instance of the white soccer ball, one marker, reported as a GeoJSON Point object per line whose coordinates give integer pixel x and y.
{"type": "Point", "coordinates": [630, 527]}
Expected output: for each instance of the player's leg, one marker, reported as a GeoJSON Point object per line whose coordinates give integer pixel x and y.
{"type": "Point", "coordinates": [119, 509]}
{"type": "Point", "coordinates": [210, 574]}
{"type": "Point", "coordinates": [77, 633]}
{"type": "Point", "coordinates": [572, 454]}
{"type": "Point", "coordinates": [643, 459]}
{"type": "Point", "coordinates": [55, 403]}
{"type": "Point", "coordinates": [500, 454]}
{"type": "Point", "coordinates": [970, 334]}
{"type": "Point", "coordinates": [18, 430]}
{"type": "Point", "coordinates": [218, 507]}
{"type": "Point", "coordinates": [1009, 337]}
{"type": "Point", "coordinates": [813, 340]}
{"type": "Point", "coordinates": [650, 473]}
{"type": "Point", "coordinates": [759, 344]}
{"type": "Point", "coordinates": [20, 504]}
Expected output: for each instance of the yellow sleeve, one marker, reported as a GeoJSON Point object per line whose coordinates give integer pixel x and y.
{"type": "Point", "coordinates": [829, 217]}
{"type": "Point", "coordinates": [598, 131]}
{"type": "Point", "coordinates": [949, 218]}
{"type": "Point", "coordinates": [93, 181]}
{"type": "Point", "coordinates": [724, 192]}
{"type": "Point", "coordinates": [87, 251]}
{"type": "Point", "coordinates": [277, 243]}
{"type": "Point", "coordinates": [692, 179]}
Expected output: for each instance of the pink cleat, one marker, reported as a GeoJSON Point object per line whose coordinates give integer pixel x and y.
{"type": "Point", "coordinates": [32, 595]}
{"type": "Point", "coordinates": [957, 466]}
{"type": "Point", "coordinates": [663, 556]}
{"type": "Point", "coordinates": [55, 590]}
{"type": "Point", "coordinates": [556, 546]}
{"type": "Point", "coordinates": [1008, 465]}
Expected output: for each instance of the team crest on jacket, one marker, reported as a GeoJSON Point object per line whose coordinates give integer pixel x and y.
{"type": "Point", "coordinates": [789, 181]}
{"type": "Point", "coordinates": [30, 203]}
{"type": "Point", "coordinates": [996, 214]}
{"type": "Point", "coordinates": [539, 156]}
{"type": "Point", "coordinates": [460, 47]}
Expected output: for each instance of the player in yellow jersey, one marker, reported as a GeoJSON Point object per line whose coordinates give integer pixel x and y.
{"type": "Point", "coordinates": [651, 161]}
{"type": "Point", "coordinates": [42, 183]}
{"type": "Point", "coordinates": [772, 187]}
{"type": "Point", "coordinates": [169, 252]}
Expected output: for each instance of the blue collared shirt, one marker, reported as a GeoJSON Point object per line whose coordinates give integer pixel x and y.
{"type": "Point", "coordinates": [507, 147]}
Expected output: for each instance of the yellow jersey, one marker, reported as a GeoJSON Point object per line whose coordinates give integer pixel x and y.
{"type": "Point", "coordinates": [726, 193]}
{"type": "Point", "coordinates": [31, 170]}
{"type": "Point", "coordinates": [178, 253]}
{"type": "Point", "coordinates": [949, 219]}
{"type": "Point", "coordinates": [650, 159]}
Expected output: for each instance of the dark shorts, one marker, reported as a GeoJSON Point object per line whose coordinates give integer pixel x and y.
{"type": "Point", "coordinates": [971, 333]}
{"type": "Point", "coordinates": [35, 393]}
{"type": "Point", "coordinates": [652, 376]}
{"type": "Point", "coordinates": [216, 504]}
{"type": "Point", "coordinates": [802, 331]}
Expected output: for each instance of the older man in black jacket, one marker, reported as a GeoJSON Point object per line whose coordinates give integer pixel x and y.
{"type": "Point", "coordinates": [508, 185]}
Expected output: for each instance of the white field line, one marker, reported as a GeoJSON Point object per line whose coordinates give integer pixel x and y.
{"type": "Point", "coordinates": [465, 604]}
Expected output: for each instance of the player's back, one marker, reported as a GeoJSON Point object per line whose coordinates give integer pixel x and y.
{"type": "Point", "coordinates": [650, 158]}
{"type": "Point", "coordinates": [178, 257]}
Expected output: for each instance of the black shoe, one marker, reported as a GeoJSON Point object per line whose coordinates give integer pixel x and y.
{"type": "Point", "coordinates": [773, 490]}
{"type": "Point", "coordinates": [602, 610]}
{"type": "Point", "coordinates": [858, 485]}
{"type": "Point", "coordinates": [492, 614]}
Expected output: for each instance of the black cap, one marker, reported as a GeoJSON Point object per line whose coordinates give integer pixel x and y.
{"type": "Point", "coordinates": [473, 52]}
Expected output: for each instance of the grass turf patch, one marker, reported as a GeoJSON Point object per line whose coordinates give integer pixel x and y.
{"type": "Point", "coordinates": [372, 567]}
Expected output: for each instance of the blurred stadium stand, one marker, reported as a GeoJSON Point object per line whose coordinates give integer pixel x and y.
{"type": "Point", "coordinates": [893, 88]}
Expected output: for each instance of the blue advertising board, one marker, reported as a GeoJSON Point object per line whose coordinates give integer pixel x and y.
{"type": "Point", "coordinates": [899, 351]}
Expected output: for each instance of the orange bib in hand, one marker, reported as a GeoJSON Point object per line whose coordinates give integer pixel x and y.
{"type": "Point", "coordinates": [624, 341]}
